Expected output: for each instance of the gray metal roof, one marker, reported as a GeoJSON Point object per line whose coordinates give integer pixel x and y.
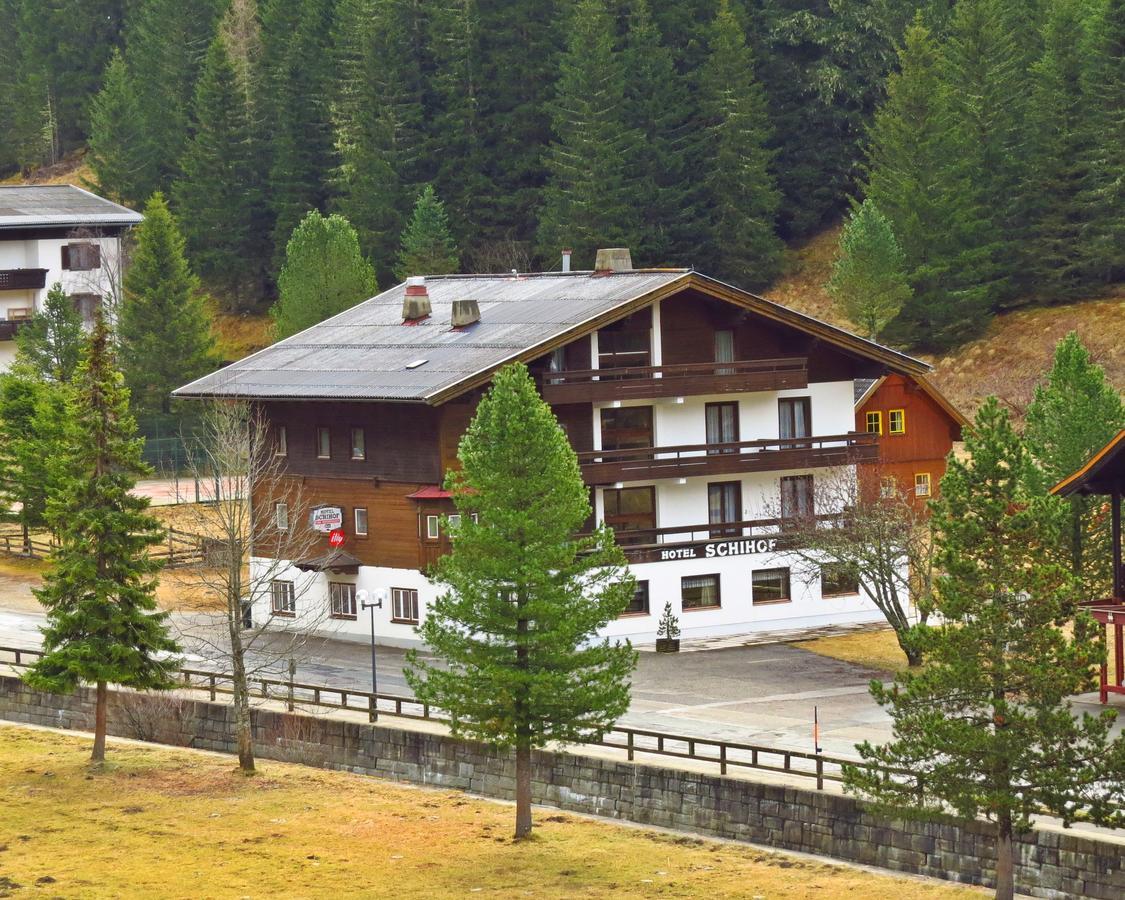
{"type": "Point", "coordinates": [862, 386]}
{"type": "Point", "coordinates": [25, 206]}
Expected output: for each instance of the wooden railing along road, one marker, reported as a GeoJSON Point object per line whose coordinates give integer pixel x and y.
{"type": "Point", "coordinates": [180, 548]}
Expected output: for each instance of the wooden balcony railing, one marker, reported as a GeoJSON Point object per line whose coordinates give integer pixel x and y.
{"type": "Point", "coordinates": [694, 379]}
{"type": "Point", "coordinates": [9, 327]}
{"type": "Point", "coordinates": [22, 279]}
{"type": "Point", "coordinates": [646, 463]}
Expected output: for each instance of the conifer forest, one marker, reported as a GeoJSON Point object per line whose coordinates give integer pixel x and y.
{"type": "Point", "coordinates": [989, 134]}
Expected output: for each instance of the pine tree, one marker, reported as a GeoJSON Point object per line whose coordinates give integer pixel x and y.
{"type": "Point", "coordinates": [986, 727]}
{"type": "Point", "coordinates": [117, 151]}
{"type": "Point", "coordinates": [219, 196]}
{"type": "Point", "coordinates": [102, 620]}
{"type": "Point", "coordinates": [428, 247]}
{"type": "Point", "coordinates": [50, 345]}
{"type": "Point", "coordinates": [1073, 414]}
{"type": "Point", "coordinates": [517, 628]}
{"type": "Point", "coordinates": [164, 328]}
{"type": "Point", "coordinates": [868, 278]}
{"type": "Point", "coordinates": [740, 198]}
{"type": "Point", "coordinates": [324, 274]}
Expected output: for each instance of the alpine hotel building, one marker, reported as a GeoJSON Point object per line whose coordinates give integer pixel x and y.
{"type": "Point", "coordinates": [696, 409]}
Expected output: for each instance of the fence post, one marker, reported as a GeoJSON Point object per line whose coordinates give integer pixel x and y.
{"type": "Point", "coordinates": [372, 711]}
{"type": "Point", "coordinates": [292, 678]}
{"type": "Point", "coordinates": [819, 773]}
{"type": "Point", "coordinates": [722, 759]}
{"type": "Point", "coordinates": [630, 748]}
{"type": "Point", "coordinates": [212, 687]}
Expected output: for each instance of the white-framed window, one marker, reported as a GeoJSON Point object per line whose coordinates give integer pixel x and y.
{"type": "Point", "coordinates": [323, 443]}
{"type": "Point", "coordinates": [888, 487]}
{"type": "Point", "coordinates": [922, 484]}
{"type": "Point", "coordinates": [359, 444]}
{"type": "Point", "coordinates": [360, 522]}
{"type": "Point", "coordinates": [341, 596]}
{"type": "Point", "coordinates": [404, 605]}
{"type": "Point", "coordinates": [281, 516]}
{"type": "Point", "coordinates": [282, 597]}
{"type": "Point", "coordinates": [433, 528]}
{"type": "Point", "coordinates": [281, 447]}
{"type": "Point", "coordinates": [454, 520]}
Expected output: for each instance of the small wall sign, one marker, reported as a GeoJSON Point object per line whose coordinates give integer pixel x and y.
{"type": "Point", "coordinates": [337, 537]}
{"type": "Point", "coordinates": [326, 518]}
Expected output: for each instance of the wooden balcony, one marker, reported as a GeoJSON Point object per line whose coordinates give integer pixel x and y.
{"type": "Point", "coordinates": [9, 327]}
{"type": "Point", "coordinates": [647, 463]}
{"type": "Point", "coordinates": [648, 382]}
{"type": "Point", "coordinates": [22, 279]}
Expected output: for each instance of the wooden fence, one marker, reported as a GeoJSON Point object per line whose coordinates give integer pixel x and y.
{"type": "Point", "coordinates": [179, 548]}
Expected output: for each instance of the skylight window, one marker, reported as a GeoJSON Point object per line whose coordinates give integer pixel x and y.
{"type": "Point", "coordinates": [416, 363]}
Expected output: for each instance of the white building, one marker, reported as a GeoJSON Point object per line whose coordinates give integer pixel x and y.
{"type": "Point", "coordinates": [56, 233]}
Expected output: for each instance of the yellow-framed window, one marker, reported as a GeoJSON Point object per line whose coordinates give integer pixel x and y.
{"type": "Point", "coordinates": [896, 421]}
{"type": "Point", "coordinates": [874, 423]}
{"type": "Point", "coordinates": [922, 484]}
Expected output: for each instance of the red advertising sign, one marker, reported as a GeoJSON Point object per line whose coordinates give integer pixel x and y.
{"type": "Point", "coordinates": [337, 537]}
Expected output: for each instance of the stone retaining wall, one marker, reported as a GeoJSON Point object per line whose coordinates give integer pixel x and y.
{"type": "Point", "coordinates": [1049, 864]}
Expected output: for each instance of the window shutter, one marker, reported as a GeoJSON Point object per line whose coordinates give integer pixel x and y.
{"type": "Point", "coordinates": [66, 256]}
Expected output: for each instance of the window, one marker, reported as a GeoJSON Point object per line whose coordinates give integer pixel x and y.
{"type": "Point", "coordinates": [838, 580]}
{"type": "Point", "coordinates": [638, 606]}
{"type": "Point", "coordinates": [724, 504]}
{"type": "Point", "coordinates": [724, 350]}
{"type": "Point", "coordinates": [281, 446]}
{"type": "Point", "coordinates": [282, 598]}
{"type": "Point", "coordinates": [342, 597]}
{"type": "Point", "coordinates": [922, 484]}
{"type": "Point", "coordinates": [433, 528]}
{"type": "Point", "coordinates": [556, 362]}
{"type": "Point", "coordinates": [722, 426]}
{"type": "Point", "coordinates": [81, 257]}
{"type": "Point", "coordinates": [87, 306]}
{"type": "Point", "coordinates": [699, 592]}
{"type": "Point", "coordinates": [896, 421]}
{"type": "Point", "coordinates": [627, 427]}
{"type": "Point", "coordinates": [794, 417]}
{"type": "Point", "coordinates": [323, 443]}
{"type": "Point", "coordinates": [874, 423]}
{"type": "Point", "coordinates": [770, 586]}
{"type": "Point", "coordinates": [359, 445]}
{"type": "Point", "coordinates": [630, 509]}
{"type": "Point", "coordinates": [281, 516]}
{"type": "Point", "coordinates": [797, 498]}
{"type": "Point", "coordinates": [888, 487]}
{"type": "Point", "coordinates": [404, 605]}
{"type": "Point", "coordinates": [360, 522]}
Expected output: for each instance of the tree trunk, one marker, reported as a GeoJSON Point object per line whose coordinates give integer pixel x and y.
{"type": "Point", "coordinates": [913, 657]}
{"type": "Point", "coordinates": [98, 756]}
{"type": "Point", "coordinates": [523, 790]}
{"type": "Point", "coordinates": [244, 732]}
{"type": "Point", "coordinates": [1005, 860]}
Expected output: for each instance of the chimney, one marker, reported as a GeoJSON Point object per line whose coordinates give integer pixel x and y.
{"type": "Point", "coordinates": [566, 260]}
{"type": "Point", "coordinates": [416, 303]}
{"type": "Point", "coordinates": [613, 259]}
{"type": "Point", "coordinates": [465, 312]}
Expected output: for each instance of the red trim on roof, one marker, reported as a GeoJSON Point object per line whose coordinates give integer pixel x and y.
{"type": "Point", "coordinates": [430, 493]}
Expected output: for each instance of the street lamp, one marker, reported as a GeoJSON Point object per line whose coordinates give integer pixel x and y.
{"type": "Point", "coordinates": [379, 595]}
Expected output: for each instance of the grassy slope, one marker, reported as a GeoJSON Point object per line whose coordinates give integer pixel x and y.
{"type": "Point", "coordinates": [173, 823]}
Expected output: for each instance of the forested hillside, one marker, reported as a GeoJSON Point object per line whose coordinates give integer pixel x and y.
{"type": "Point", "coordinates": [990, 134]}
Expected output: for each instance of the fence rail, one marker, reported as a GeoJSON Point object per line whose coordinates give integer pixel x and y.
{"type": "Point", "coordinates": [725, 755]}
{"type": "Point", "coordinates": [179, 548]}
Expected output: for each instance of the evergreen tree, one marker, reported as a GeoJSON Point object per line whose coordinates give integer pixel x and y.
{"type": "Point", "coordinates": [740, 199]}
{"type": "Point", "coordinates": [50, 345]}
{"type": "Point", "coordinates": [986, 727]}
{"type": "Point", "coordinates": [1073, 414]}
{"type": "Point", "coordinates": [868, 279]}
{"type": "Point", "coordinates": [517, 628]}
{"type": "Point", "coordinates": [588, 201]}
{"type": "Point", "coordinates": [219, 195]}
{"type": "Point", "coordinates": [102, 620]}
{"type": "Point", "coordinates": [324, 274]}
{"type": "Point", "coordinates": [427, 246]}
{"type": "Point", "coordinates": [1103, 237]}
{"type": "Point", "coordinates": [117, 150]}
{"type": "Point", "coordinates": [164, 328]}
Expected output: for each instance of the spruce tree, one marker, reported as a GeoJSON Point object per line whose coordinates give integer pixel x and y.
{"type": "Point", "coordinates": [1073, 414]}
{"type": "Point", "coordinates": [164, 329]}
{"type": "Point", "coordinates": [868, 278]}
{"type": "Point", "coordinates": [102, 620]}
{"type": "Point", "coordinates": [517, 628]}
{"type": "Point", "coordinates": [740, 200]}
{"type": "Point", "coordinates": [986, 727]}
{"type": "Point", "coordinates": [324, 274]}
{"type": "Point", "coordinates": [50, 345]}
{"type": "Point", "coordinates": [219, 196]}
{"type": "Point", "coordinates": [117, 146]}
{"type": "Point", "coordinates": [427, 246]}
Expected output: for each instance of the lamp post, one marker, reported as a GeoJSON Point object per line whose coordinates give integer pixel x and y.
{"type": "Point", "coordinates": [380, 594]}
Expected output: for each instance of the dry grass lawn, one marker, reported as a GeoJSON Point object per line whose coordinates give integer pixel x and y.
{"type": "Point", "coordinates": [238, 335]}
{"type": "Point", "coordinates": [874, 649]}
{"type": "Point", "coordinates": [173, 823]}
{"type": "Point", "coordinates": [72, 169]}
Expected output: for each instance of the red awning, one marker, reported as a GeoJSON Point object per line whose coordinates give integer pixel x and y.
{"type": "Point", "coordinates": [430, 493]}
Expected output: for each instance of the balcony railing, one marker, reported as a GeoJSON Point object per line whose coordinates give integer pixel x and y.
{"type": "Point", "coordinates": [22, 279]}
{"type": "Point", "coordinates": [694, 379]}
{"type": "Point", "coordinates": [646, 463]}
{"type": "Point", "coordinates": [8, 328]}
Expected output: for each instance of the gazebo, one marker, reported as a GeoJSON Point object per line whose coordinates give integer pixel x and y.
{"type": "Point", "coordinates": [1105, 475]}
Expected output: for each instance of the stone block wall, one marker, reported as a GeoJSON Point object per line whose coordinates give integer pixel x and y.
{"type": "Point", "coordinates": [1050, 864]}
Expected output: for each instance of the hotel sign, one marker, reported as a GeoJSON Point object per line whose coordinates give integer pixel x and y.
{"type": "Point", "coordinates": [718, 549]}
{"type": "Point", "coordinates": [326, 519]}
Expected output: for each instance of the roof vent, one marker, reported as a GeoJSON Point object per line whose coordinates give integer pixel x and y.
{"type": "Point", "coordinates": [416, 303]}
{"type": "Point", "coordinates": [613, 259]}
{"type": "Point", "coordinates": [566, 254]}
{"type": "Point", "coordinates": [465, 312]}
